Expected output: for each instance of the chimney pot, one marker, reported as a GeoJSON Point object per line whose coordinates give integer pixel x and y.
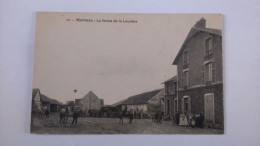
{"type": "Point", "coordinates": [201, 23]}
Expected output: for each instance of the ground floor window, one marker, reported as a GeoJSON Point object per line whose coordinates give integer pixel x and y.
{"type": "Point", "coordinates": [186, 106]}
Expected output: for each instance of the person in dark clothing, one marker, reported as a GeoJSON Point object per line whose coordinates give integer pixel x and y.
{"type": "Point", "coordinates": [160, 117]}
{"type": "Point", "coordinates": [177, 118]}
{"type": "Point", "coordinates": [75, 117]}
{"type": "Point", "coordinates": [47, 113]}
{"type": "Point", "coordinates": [131, 117]}
{"type": "Point", "coordinates": [201, 120]}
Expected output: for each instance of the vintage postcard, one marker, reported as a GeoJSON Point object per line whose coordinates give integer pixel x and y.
{"type": "Point", "coordinates": [109, 73]}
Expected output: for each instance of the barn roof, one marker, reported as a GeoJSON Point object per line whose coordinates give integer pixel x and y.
{"type": "Point", "coordinates": [91, 94]}
{"type": "Point", "coordinates": [44, 98]}
{"type": "Point", "coordinates": [117, 103]}
{"type": "Point", "coordinates": [141, 98]}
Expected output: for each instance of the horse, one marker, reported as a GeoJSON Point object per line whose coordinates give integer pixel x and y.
{"type": "Point", "coordinates": [64, 115]}
{"type": "Point", "coordinates": [121, 115]}
{"type": "Point", "coordinates": [157, 117]}
{"type": "Point", "coordinates": [40, 113]}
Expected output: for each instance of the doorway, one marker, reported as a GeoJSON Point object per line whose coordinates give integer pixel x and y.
{"type": "Point", "coordinates": [209, 108]}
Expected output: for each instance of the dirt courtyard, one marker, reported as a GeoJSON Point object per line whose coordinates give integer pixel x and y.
{"type": "Point", "coordinates": [89, 125]}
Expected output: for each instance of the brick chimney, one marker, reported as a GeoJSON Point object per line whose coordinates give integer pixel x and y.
{"type": "Point", "coordinates": [201, 23]}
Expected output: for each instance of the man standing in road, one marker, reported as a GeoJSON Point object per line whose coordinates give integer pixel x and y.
{"type": "Point", "coordinates": [75, 117]}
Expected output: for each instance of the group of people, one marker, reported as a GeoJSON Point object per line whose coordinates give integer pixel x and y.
{"type": "Point", "coordinates": [64, 115]}
{"type": "Point", "coordinates": [189, 120]}
{"type": "Point", "coordinates": [40, 112]}
{"type": "Point", "coordinates": [124, 113]}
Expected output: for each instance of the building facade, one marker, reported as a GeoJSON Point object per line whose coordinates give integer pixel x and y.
{"type": "Point", "coordinates": [200, 79]}
{"type": "Point", "coordinates": [141, 101]}
{"type": "Point", "coordinates": [89, 102]}
{"type": "Point", "coordinates": [36, 99]}
{"type": "Point", "coordinates": [170, 97]}
{"type": "Point", "coordinates": [43, 102]}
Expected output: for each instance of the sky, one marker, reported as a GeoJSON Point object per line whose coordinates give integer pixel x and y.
{"type": "Point", "coordinates": [115, 60]}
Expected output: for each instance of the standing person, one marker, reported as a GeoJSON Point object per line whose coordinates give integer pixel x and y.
{"type": "Point", "coordinates": [47, 113]}
{"type": "Point", "coordinates": [131, 116]}
{"type": "Point", "coordinates": [75, 117]}
{"type": "Point", "coordinates": [160, 117]}
{"type": "Point", "coordinates": [177, 118]}
{"type": "Point", "coordinates": [201, 120]}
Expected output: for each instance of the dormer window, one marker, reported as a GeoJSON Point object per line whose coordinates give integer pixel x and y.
{"type": "Point", "coordinates": [208, 46]}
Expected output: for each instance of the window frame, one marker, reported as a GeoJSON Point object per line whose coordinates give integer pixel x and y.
{"type": "Point", "coordinates": [189, 104]}
{"type": "Point", "coordinates": [185, 59]}
{"type": "Point", "coordinates": [210, 51]}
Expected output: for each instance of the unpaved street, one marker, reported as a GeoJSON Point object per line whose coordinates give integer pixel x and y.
{"type": "Point", "coordinates": [88, 125]}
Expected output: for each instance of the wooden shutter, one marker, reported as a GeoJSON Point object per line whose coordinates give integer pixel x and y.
{"type": "Point", "coordinates": [202, 74]}
{"type": "Point", "coordinates": [213, 72]}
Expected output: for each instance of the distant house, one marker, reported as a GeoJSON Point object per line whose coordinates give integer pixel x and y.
{"type": "Point", "coordinates": [199, 68]}
{"type": "Point", "coordinates": [89, 102]}
{"type": "Point", "coordinates": [170, 96]}
{"type": "Point", "coordinates": [51, 104]}
{"type": "Point", "coordinates": [36, 99]}
{"type": "Point", "coordinates": [40, 101]}
{"type": "Point", "coordinates": [139, 101]}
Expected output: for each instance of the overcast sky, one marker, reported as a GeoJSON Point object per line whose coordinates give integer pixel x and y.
{"type": "Point", "coordinates": [114, 60]}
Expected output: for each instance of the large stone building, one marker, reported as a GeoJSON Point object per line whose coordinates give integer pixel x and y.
{"type": "Point", "coordinates": [199, 69]}
{"type": "Point", "coordinates": [89, 102]}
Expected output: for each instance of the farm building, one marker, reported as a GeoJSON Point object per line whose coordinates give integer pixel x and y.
{"type": "Point", "coordinates": [156, 103]}
{"type": "Point", "coordinates": [40, 101]}
{"type": "Point", "coordinates": [36, 99]}
{"type": "Point", "coordinates": [89, 102]}
{"type": "Point", "coordinates": [51, 104]}
{"type": "Point", "coordinates": [141, 101]}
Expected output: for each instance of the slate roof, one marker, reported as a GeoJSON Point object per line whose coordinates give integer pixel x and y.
{"type": "Point", "coordinates": [44, 98]}
{"type": "Point", "coordinates": [141, 98]}
{"type": "Point", "coordinates": [117, 103]}
{"type": "Point", "coordinates": [194, 30]}
{"type": "Point", "coordinates": [171, 79]}
{"type": "Point", "coordinates": [92, 95]}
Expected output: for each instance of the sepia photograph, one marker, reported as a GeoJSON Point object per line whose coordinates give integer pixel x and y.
{"type": "Point", "coordinates": [127, 73]}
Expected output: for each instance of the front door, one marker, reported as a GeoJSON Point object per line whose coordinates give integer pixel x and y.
{"type": "Point", "coordinates": [209, 108]}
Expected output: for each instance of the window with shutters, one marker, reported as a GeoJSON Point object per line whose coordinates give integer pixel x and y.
{"type": "Point", "coordinates": [170, 88]}
{"type": "Point", "coordinates": [208, 46]}
{"type": "Point", "coordinates": [186, 79]}
{"type": "Point", "coordinates": [185, 58]}
{"type": "Point", "coordinates": [202, 74]}
{"type": "Point", "coordinates": [186, 106]}
{"type": "Point", "coordinates": [209, 74]}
